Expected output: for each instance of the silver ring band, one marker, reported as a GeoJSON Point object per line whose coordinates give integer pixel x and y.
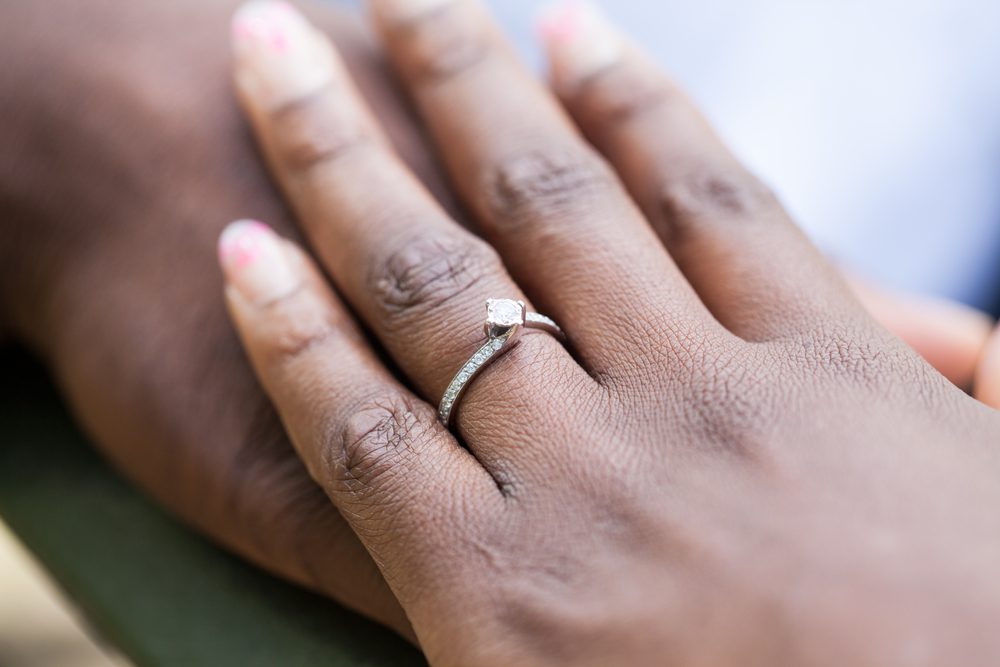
{"type": "Point", "coordinates": [504, 319]}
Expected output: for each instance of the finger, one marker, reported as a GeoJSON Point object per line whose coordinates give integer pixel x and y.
{"type": "Point", "coordinates": [987, 380]}
{"type": "Point", "coordinates": [377, 450]}
{"type": "Point", "coordinates": [749, 263]}
{"type": "Point", "coordinates": [417, 278]}
{"type": "Point", "coordinates": [560, 218]}
{"type": "Point", "coordinates": [950, 336]}
{"type": "Point", "coordinates": [365, 61]}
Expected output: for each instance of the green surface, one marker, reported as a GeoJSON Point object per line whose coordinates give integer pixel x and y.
{"type": "Point", "coordinates": [158, 592]}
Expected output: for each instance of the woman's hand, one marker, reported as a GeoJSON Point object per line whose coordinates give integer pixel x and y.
{"type": "Point", "coordinates": [730, 462]}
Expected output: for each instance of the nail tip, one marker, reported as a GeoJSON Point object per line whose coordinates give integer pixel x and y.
{"type": "Point", "coordinates": [232, 236]}
{"type": "Point", "coordinates": [562, 19]}
{"type": "Point", "coordinates": [254, 261]}
{"type": "Point", "coordinates": [250, 17]}
{"type": "Point", "coordinates": [278, 54]}
{"type": "Point", "coordinates": [578, 39]}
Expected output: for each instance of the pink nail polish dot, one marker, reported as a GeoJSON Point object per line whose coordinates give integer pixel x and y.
{"type": "Point", "coordinates": [563, 22]}
{"type": "Point", "coordinates": [266, 23]}
{"type": "Point", "coordinates": [243, 242]}
{"type": "Point", "coordinates": [279, 42]}
{"type": "Point", "coordinates": [250, 27]}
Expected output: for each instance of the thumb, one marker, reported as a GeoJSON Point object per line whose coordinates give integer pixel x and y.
{"type": "Point", "coordinates": [986, 386]}
{"type": "Point", "coordinates": [949, 335]}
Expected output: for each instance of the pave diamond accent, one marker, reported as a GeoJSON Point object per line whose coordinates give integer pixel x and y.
{"type": "Point", "coordinates": [539, 321]}
{"type": "Point", "coordinates": [469, 370]}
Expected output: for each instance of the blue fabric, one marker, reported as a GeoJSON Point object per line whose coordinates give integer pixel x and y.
{"type": "Point", "coordinates": [877, 121]}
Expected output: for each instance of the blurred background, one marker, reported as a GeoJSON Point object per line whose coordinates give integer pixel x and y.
{"type": "Point", "coordinates": [37, 629]}
{"type": "Point", "coordinates": [877, 122]}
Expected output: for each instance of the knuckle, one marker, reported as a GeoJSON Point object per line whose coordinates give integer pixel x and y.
{"type": "Point", "coordinates": [428, 272]}
{"type": "Point", "coordinates": [266, 480]}
{"type": "Point", "coordinates": [861, 357]}
{"type": "Point", "coordinates": [273, 500]}
{"type": "Point", "coordinates": [725, 392]}
{"type": "Point", "coordinates": [623, 92]}
{"type": "Point", "coordinates": [310, 132]}
{"type": "Point", "coordinates": [550, 185]}
{"type": "Point", "coordinates": [376, 437]}
{"type": "Point", "coordinates": [441, 42]}
{"type": "Point", "coordinates": [689, 202]}
{"type": "Point", "coordinates": [729, 402]}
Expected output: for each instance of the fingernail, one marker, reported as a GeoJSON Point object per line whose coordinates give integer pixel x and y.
{"type": "Point", "coordinates": [578, 38]}
{"type": "Point", "coordinates": [254, 261]}
{"type": "Point", "coordinates": [406, 9]}
{"type": "Point", "coordinates": [280, 57]}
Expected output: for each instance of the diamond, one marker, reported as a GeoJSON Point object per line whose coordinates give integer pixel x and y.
{"type": "Point", "coordinates": [504, 312]}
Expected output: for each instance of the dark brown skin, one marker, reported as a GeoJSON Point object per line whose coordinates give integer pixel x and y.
{"type": "Point", "coordinates": [737, 465]}
{"type": "Point", "coordinates": [124, 154]}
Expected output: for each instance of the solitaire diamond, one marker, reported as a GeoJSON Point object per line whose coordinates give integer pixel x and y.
{"type": "Point", "coordinates": [504, 312]}
{"type": "Point", "coordinates": [504, 319]}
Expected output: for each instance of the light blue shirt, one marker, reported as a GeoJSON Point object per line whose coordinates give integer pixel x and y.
{"type": "Point", "coordinates": [876, 121]}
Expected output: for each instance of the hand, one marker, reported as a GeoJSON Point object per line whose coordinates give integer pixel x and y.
{"type": "Point", "coordinates": [955, 339]}
{"type": "Point", "coordinates": [124, 153]}
{"type": "Point", "coordinates": [732, 464]}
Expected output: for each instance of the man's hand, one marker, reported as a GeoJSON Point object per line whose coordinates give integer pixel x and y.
{"type": "Point", "coordinates": [124, 153]}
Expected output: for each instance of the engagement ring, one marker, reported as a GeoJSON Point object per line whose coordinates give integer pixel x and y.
{"type": "Point", "coordinates": [504, 319]}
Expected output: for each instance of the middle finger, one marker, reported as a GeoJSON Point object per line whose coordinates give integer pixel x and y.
{"type": "Point", "coordinates": [556, 212]}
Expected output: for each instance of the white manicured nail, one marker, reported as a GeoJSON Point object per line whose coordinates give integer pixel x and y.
{"type": "Point", "coordinates": [578, 39]}
{"type": "Point", "coordinates": [254, 261]}
{"type": "Point", "coordinates": [280, 57]}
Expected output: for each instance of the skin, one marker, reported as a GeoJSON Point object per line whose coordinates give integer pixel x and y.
{"type": "Point", "coordinates": [951, 337]}
{"type": "Point", "coordinates": [731, 463]}
{"type": "Point", "coordinates": [120, 166]}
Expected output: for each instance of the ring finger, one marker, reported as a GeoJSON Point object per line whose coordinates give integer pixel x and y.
{"type": "Point", "coordinates": [416, 277]}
